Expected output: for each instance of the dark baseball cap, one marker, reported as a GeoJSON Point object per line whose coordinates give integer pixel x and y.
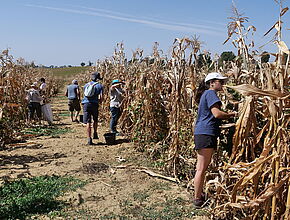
{"type": "Point", "coordinates": [95, 76]}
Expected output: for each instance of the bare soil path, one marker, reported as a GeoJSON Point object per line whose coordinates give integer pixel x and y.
{"type": "Point", "coordinates": [115, 189]}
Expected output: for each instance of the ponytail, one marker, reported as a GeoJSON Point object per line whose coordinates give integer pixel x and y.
{"type": "Point", "coordinates": [200, 90]}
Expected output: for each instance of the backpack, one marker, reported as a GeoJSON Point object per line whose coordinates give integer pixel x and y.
{"type": "Point", "coordinates": [33, 96]}
{"type": "Point", "coordinates": [90, 90]}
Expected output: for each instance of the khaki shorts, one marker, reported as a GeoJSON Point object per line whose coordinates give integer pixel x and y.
{"type": "Point", "coordinates": [74, 104]}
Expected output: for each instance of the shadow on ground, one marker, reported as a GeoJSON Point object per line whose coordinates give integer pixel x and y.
{"type": "Point", "coordinates": [25, 159]}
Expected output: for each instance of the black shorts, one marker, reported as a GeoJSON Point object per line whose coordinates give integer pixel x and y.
{"type": "Point", "coordinates": [90, 109]}
{"type": "Point", "coordinates": [34, 107]}
{"type": "Point", "coordinates": [202, 141]}
{"type": "Point", "coordinates": [74, 104]}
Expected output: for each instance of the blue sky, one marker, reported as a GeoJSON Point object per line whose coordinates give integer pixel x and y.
{"type": "Point", "coordinates": [68, 32]}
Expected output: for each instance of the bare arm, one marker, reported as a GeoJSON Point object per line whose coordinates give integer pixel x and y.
{"type": "Point", "coordinates": [217, 113]}
{"type": "Point", "coordinates": [100, 97]}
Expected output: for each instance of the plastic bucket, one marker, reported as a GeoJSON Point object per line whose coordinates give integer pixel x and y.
{"type": "Point", "coordinates": [81, 118]}
{"type": "Point", "coordinates": [110, 138]}
{"type": "Point", "coordinates": [47, 113]}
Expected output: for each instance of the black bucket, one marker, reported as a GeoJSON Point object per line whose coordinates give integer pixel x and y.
{"type": "Point", "coordinates": [110, 138]}
{"type": "Point", "coordinates": [81, 118]}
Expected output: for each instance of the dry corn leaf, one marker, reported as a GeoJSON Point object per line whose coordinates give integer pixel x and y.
{"type": "Point", "coordinates": [268, 193]}
{"type": "Point", "coordinates": [249, 90]}
{"type": "Point", "coordinates": [243, 127]}
{"type": "Point", "coordinates": [249, 174]}
{"type": "Point", "coordinates": [283, 11]}
{"type": "Point", "coordinates": [271, 29]}
{"type": "Point", "coordinates": [283, 47]}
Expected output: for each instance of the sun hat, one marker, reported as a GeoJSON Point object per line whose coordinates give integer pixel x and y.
{"type": "Point", "coordinates": [117, 81]}
{"type": "Point", "coordinates": [214, 75]}
{"type": "Point", "coordinates": [74, 81]}
{"type": "Point", "coordinates": [95, 76]}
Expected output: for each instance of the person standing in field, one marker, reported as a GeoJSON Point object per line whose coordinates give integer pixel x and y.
{"type": "Point", "coordinates": [33, 97]}
{"type": "Point", "coordinates": [207, 128]}
{"type": "Point", "coordinates": [42, 87]}
{"type": "Point", "coordinates": [74, 97]}
{"type": "Point", "coordinates": [42, 90]}
{"type": "Point", "coordinates": [90, 104]}
{"type": "Point", "coordinates": [116, 98]}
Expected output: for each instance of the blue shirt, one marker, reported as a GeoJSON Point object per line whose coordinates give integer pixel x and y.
{"type": "Point", "coordinates": [206, 123]}
{"type": "Point", "coordinates": [72, 91]}
{"type": "Point", "coordinates": [95, 97]}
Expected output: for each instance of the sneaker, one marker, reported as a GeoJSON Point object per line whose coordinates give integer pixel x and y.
{"type": "Point", "coordinates": [96, 136]}
{"type": "Point", "coordinates": [90, 142]}
{"type": "Point", "coordinates": [117, 133]}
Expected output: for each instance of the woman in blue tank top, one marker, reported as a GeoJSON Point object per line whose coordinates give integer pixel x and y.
{"type": "Point", "coordinates": [207, 129]}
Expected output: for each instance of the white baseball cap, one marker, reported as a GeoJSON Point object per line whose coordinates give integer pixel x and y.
{"type": "Point", "coordinates": [214, 75]}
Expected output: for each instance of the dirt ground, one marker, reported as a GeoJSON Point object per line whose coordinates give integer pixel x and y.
{"type": "Point", "coordinates": [115, 189]}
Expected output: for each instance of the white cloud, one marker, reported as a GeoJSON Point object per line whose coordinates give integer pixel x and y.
{"type": "Point", "coordinates": [184, 27]}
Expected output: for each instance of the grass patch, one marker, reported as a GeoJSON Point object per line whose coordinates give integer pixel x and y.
{"type": "Point", "coordinates": [140, 196]}
{"type": "Point", "coordinates": [46, 131]}
{"type": "Point", "coordinates": [64, 114]}
{"type": "Point", "coordinates": [160, 186]}
{"type": "Point", "coordinates": [72, 214]}
{"type": "Point", "coordinates": [171, 209]}
{"type": "Point", "coordinates": [69, 71]}
{"type": "Point", "coordinates": [60, 97]}
{"type": "Point", "coordinates": [25, 197]}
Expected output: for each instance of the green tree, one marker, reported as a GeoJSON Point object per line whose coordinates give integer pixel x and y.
{"type": "Point", "coordinates": [83, 64]}
{"type": "Point", "coordinates": [227, 56]}
{"type": "Point", "coordinates": [203, 60]}
{"type": "Point", "coordinates": [265, 56]}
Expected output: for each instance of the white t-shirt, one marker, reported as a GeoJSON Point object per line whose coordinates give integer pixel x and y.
{"type": "Point", "coordinates": [116, 97]}
{"type": "Point", "coordinates": [43, 86]}
{"type": "Point", "coordinates": [33, 96]}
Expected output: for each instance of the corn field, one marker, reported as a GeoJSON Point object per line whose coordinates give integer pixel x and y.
{"type": "Point", "coordinates": [249, 178]}
{"type": "Point", "coordinates": [16, 76]}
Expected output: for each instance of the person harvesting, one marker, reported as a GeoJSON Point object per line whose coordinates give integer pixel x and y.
{"type": "Point", "coordinates": [116, 98]}
{"type": "Point", "coordinates": [207, 128]}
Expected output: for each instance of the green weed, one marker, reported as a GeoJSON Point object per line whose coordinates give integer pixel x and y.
{"type": "Point", "coordinates": [140, 196]}
{"type": "Point", "coordinates": [60, 97]}
{"type": "Point", "coordinates": [169, 210]}
{"type": "Point", "coordinates": [25, 197]}
{"type": "Point", "coordinates": [64, 114]}
{"type": "Point", "coordinates": [160, 186]}
{"type": "Point", "coordinates": [46, 131]}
